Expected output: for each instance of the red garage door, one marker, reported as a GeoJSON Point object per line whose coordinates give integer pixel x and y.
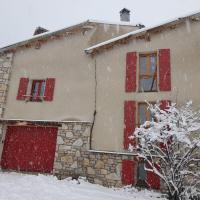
{"type": "Point", "coordinates": [29, 148]}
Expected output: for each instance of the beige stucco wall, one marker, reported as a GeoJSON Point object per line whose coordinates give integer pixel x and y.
{"type": "Point", "coordinates": [65, 60]}
{"type": "Point", "coordinates": [104, 32]}
{"type": "Point", "coordinates": [184, 43]}
{"type": "Point", "coordinates": [74, 96]}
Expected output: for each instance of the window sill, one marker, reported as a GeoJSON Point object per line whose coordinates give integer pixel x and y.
{"type": "Point", "coordinates": [156, 91]}
{"type": "Point", "coordinates": [28, 98]}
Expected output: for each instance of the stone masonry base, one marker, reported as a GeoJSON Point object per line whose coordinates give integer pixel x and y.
{"type": "Point", "coordinates": [73, 157]}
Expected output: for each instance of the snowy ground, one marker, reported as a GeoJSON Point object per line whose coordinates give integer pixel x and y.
{"type": "Point", "coordinates": [15, 186]}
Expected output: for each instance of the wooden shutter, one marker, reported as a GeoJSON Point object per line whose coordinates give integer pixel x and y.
{"type": "Point", "coordinates": [128, 169]}
{"type": "Point", "coordinates": [129, 122]}
{"type": "Point", "coordinates": [153, 180]}
{"type": "Point", "coordinates": [164, 70]}
{"type": "Point", "coordinates": [163, 106]}
{"type": "Point", "coordinates": [23, 85]}
{"type": "Point", "coordinates": [131, 62]}
{"type": "Point", "coordinates": [49, 89]}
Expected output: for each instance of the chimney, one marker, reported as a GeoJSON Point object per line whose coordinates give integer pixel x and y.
{"type": "Point", "coordinates": [39, 30]}
{"type": "Point", "coordinates": [125, 15]}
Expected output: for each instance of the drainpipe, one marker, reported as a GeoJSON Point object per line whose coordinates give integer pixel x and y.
{"type": "Point", "coordinates": [95, 104]}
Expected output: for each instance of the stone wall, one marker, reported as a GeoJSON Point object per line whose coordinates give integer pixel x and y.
{"type": "Point", "coordinates": [105, 168]}
{"type": "Point", "coordinates": [5, 71]}
{"type": "Point", "coordinates": [72, 143]}
{"type": "Point", "coordinates": [73, 157]}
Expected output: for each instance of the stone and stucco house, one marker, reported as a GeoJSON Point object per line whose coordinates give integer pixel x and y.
{"type": "Point", "coordinates": [70, 99]}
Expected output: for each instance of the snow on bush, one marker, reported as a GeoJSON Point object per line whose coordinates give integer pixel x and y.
{"type": "Point", "coordinates": [170, 146]}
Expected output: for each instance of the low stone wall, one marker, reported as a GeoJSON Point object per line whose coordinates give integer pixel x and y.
{"type": "Point", "coordinates": [104, 168]}
{"type": "Point", "coordinates": [73, 157]}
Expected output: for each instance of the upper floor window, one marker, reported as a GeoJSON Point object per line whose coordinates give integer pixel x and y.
{"type": "Point", "coordinates": [36, 90]}
{"type": "Point", "coordinates": [148, 72]}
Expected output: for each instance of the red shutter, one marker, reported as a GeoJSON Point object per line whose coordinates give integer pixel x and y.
{"type": "Point", "coordinates": [164, 70]}
{"type": "Point", "coordinates": [131, 62]}
{"type": "Point", "coordinates": [163, 106]}
{"type": "Point", "coordinates": [49, 89]}
{"type": "Point", "coordinates": [128, 169]}
{"type": "Point", "coordinates": [23, 85]}
{"type": "Point", "coordinates": [129, 122]}
{"type": "Point", "coordinates": [153, 180]}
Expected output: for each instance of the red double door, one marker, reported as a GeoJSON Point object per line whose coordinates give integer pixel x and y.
{"type": "Point", "coordinates": [29, 148]}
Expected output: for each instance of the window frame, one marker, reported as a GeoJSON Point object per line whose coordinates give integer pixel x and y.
{"type": "Point", "coordinates": [37, 97]}
{"type": "Point", "coordinates": [138, 111]}
{"type": "Point", "coordinates": [145, 54]}
{"type": "Point", "coordinates": [140, 182]}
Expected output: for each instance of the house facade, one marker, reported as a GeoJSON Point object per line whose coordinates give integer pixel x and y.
{"type": "Point", "coordinates": [70, 99]}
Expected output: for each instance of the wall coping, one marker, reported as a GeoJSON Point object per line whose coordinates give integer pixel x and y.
{"type": "Point", "coordinates": [54, 121]}
{"type": "Point", "coordinates": [112, 152]}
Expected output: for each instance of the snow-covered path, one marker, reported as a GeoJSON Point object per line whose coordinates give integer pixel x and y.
{"type": "Point", "coordinates": [15, 186]}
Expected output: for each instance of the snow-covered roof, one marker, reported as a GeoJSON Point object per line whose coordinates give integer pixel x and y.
{"type": "Point", "coordinates": [111, 23]}
{"type": "Point", "coordinates": [139, 31]}
{"type": "Point", "coordinates": [50, 33]}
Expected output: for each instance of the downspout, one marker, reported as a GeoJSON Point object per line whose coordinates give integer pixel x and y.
{"type": "Point", "coordinates": [95, 104]}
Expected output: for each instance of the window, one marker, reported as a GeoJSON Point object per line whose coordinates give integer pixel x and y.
{"type": "Point", "coordinates": [148, 72]}
{"type": "Point", "coordinates": [141, 171]}
{"type": "Point", "coordinates": [36, 90]}
{"type": "Point", "coordinates": [141, 175]}
{"type": "Point", "coordinates": [144, 114]}
{"type": "Point", "coordinates": [143, 70]}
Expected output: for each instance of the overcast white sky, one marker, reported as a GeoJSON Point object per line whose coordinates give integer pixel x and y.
{"type": "Point", "coordinates": [18, 18]}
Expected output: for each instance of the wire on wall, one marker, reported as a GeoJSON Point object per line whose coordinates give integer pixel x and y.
{"type": "Point", "coordinates": [95, 103]}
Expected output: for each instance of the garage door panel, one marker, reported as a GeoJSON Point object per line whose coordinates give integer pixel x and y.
{"type": "Point", "coordinates": [29, 148]}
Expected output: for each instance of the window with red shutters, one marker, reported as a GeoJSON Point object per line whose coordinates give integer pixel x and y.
{"type": "Point", "coordinates": [129, 122]}
{"type": "Point", "coordinates": [128, 172]}
{"type": "Point", "coordinates": [131, 64]}
{"type": "Point", "coordinates": [36, 90]}
{"type": "Point", "coordinates": [23, 85]}
{"type": "Point", "coordinates": [154, 71]}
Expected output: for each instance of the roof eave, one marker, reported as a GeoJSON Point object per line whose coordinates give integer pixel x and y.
{"type": "Point", "coordinates": [51, 33]}
{"type": "Point", "coordinates": [135, 33]}
{"type": "Point", "coordinates": [41, 36]}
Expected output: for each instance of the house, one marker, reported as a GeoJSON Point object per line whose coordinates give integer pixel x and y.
{"type": "Point", "coordinates": [70, 99]}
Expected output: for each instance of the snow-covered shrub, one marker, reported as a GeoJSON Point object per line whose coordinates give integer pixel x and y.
{"type": "Point", "coordinates": [170, 146]}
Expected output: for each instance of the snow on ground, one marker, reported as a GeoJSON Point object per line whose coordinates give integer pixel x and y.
{"type": "Point", "coordinates": [14, 186]}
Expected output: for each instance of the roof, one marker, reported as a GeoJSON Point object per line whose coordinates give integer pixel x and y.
{"type": "Point", "coordinates": [139, 32]}
{"type": "Point", "coordinates": [52, 33]}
